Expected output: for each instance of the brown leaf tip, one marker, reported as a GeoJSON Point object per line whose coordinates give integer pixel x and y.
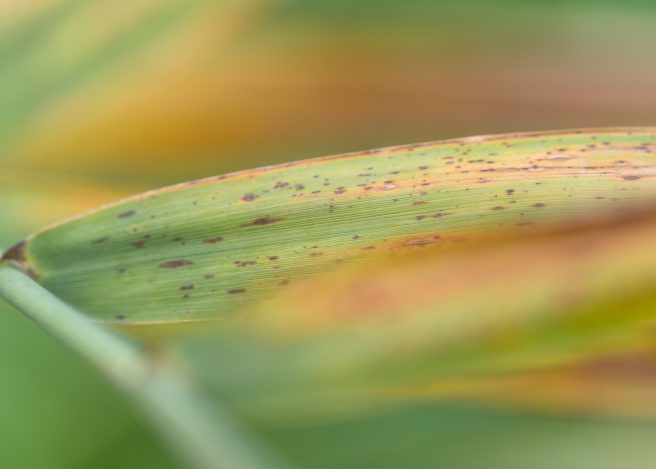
{"type": "Point", "coordinates": [15, 254]}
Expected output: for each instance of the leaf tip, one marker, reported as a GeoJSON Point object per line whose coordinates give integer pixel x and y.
{"type": "Point", "coordinates": [15, 254]}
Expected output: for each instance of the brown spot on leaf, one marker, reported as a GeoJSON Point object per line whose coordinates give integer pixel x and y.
{"type": "Point", "coordinates": [538, 205]}
{"type": "Point", "coordinates": [120, 317]}
{"type": "Point", "coordinates": [187, 287]}
{"type": "Point", "coordinates": [631, 178]}
{"type": "Point", "coordinates": [237, 290]}
{"type": "Point", "coordinates": [213, 240]}
{"type": "Point", "coordinates": [263, 221]}
{"type": "Point", "coordinates": [127, 214]}
{"type": "Point", "coordinates": [249, 197]}
{"type": "Point", "coordinates": [273, 258]}
{"type": "Point", "coordinates": [100, 240]}
{"type": "Point", "coordinates": [175, 263]}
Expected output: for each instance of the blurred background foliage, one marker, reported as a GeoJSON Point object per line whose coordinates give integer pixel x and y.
{"type": "Point", "coordinates": [100, 99]}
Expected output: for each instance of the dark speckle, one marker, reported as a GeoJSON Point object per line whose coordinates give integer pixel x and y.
{"type": "Point", "coordinates": [187, 287]}
{"type": "Point", "coordinates": [538, 205]}
{"type": "Point", "coordinates": [273, 258]}
{"type": "Point", "coordinates": [139, 244]}
{"type": "Point", "coordinates": [127, 214]}
{"type": "Point", "coordinates": [631, 178]}
{"type": "Point", "coordinates": [263, 221]}
{"type": "Point", "coordinates": [510, 191]}
{"type": "Point", "coordinates": [175, 263]}
{"type": "Point", "coordinates": [498, 207]}
{"type": "Point", "coordinates": [237, 290]}
{"type": "Point", "coordinates": [208, 276]}
{"type": "Point", "coordinates": [120, 317]}
{"type": "Point", "coordinates": [213, 240]}
{"type": "Point", "coordinates": [249, 197]}
{"type": "Point", "coordinates": [100, 240]}
{"type": "Point", "coordinates": [281, 185]}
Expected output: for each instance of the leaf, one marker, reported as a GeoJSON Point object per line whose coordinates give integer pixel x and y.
{"type": "Point", "coordinates": [202, 250]}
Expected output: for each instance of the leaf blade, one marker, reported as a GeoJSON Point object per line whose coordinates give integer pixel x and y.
{"type": "Point", "coordinates": [202, 249]}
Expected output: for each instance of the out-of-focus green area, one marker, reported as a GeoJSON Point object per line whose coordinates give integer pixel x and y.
{"type": "Point", "coordinates": [100, 99]}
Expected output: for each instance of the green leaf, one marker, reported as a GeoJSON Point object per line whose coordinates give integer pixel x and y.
{"type": "Point", "coordinates": [203, 249]}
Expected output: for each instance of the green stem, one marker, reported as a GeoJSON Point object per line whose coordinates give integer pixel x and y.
{"type": "Point", "coordinates": [203, 435]}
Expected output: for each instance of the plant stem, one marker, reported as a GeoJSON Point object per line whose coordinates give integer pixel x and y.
{"type": "Point", "coordinates": [203, 435]}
